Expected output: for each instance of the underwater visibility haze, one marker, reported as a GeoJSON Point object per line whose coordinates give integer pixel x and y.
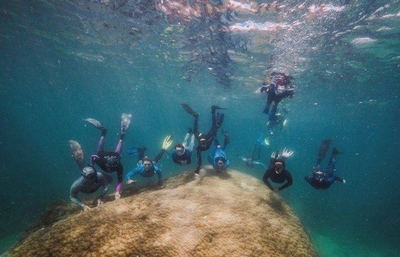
{"type": "Point", "coordinates": [64, 61]}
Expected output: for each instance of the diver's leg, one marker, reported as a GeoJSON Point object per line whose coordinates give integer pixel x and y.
{"type": "Point", "coordinates": [100, 146]}
{"type": "Point", "coordinates": [119, 146]}
{"type": "Point", "coordinates": [330, 169]}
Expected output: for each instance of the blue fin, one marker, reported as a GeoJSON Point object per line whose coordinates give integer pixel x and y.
{"type": "Point", "coordinates": [133, 150]}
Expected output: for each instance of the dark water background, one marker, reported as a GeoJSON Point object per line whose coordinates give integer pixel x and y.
{"type": "Point", "coordinates": [61, 63]}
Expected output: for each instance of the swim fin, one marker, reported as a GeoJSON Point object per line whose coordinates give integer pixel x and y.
{"type": "Point", "coordinates": [94, 122]}
{"type": "Point", "coordinates": [336, 151]}
{"type": "Point", "coordinates": [77, 153]}
{"type": "Point", "coordinates": [97, 124]}
{"type": "Point", "coordinates": [215, 107]}
{"type": "Point", "coordinates": [125, 121]}
{"type": "Point", "coordinates": [133, 150]}
{"type": "Point", "coordinates": [189, 110]}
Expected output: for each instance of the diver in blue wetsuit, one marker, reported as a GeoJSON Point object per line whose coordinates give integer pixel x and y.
{"type": "Point", "coordinates": [255, 157]}
{"type": "Point", "coordinates": [88, 183]}
{"type": "Point", "coordinates": [145, 166]}
{"type": "Point", "coordinates": [278, 88]}
{"type": "Point", "coordinates": [218, 157]}
{"type": "Point", "coordinates": [324, 179]}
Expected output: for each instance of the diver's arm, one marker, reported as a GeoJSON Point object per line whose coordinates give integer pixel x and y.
{"type": "Point", "coordinates": [265, 180]}
{"type": "Point", "coordinates": [159, 155]}
{"type": "Point", "coordinates": [199, 161]}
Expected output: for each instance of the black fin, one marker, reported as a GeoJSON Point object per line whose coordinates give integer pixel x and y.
{"type": "Point", "coordinates": [189, 110]}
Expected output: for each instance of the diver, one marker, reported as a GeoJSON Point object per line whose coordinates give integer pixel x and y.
{"type": "Point", "coordinates": [324, 179]}
{"type": "Point", "coordinates": [277, 88]}
{"type": "Point", "coordinates": [254, 158]}
{"type": "Point", "coordinates": [218, 157]}
{"type": "Point", "coordinates": [88, 183]}
{"type": "Point", "coordinates": [205, 141]}
{"type": "Point", "coordinates": [277, 171]}
{"type": "Point", "coordinates": [182, 154]}
{"type": "Point", "coordinates": [145, 166]}
{"type": "Point", "coordinates": [110, 161]}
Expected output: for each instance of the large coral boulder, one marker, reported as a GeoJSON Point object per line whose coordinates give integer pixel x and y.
{"type": "Point", "coordinates": [227, 214]}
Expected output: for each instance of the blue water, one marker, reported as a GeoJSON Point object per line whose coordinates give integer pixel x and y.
{"type": "Point", "coordinates": [61, 63]}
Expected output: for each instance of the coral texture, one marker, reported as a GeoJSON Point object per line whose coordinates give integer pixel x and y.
{"type": "Point", "coordinates": [227, 214]}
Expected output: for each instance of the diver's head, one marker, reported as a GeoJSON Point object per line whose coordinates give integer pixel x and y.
{"type": "Point", "coordinates": [202, 141]}
{"type": "Point", "coordinates": [279, 166]}
{"type": "Point", "coordinates": [180, 149]}
{"type": "Point", "coordinates": [112, 162]}
{"type": "Point", "coordinates": [319, 175]}
{"type": "Point", "coordinates": [220, 163]}
{"type": "Point", "coordinates": [147, 163]}
{"type": "Point", "coordinates": [89, 173]}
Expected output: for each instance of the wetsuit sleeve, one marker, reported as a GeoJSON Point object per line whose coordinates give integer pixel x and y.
{"type": "Point", "coordinates": [73, 195]}
{"type": "Point", "coordinates": [199, 161]}
{"type": "Point", "coordinates": [265, 180]}
{"type": "Point", "coordinates": [308, 179]}
{"type": "Point", "coordinates": [338, 179]}
{"type": "Point", "coordinates": [159, 155]}
{"type": "Point", "coordinates": [159, 175]}
{"type": "Point", "coordinates": [188, 155]}
{"type": "Point", "coordinates": [102, 181]}
{"type": "Point", "coordinates": [131, 173]}
{"type": "Point", "coordinates": [289, 181]}
{"type": "Point", "coordinates": [174, 157]}
{"type": "Point", "coordinates": [93, 159]}
{"type": "Point", "coordinates": [120, 176]}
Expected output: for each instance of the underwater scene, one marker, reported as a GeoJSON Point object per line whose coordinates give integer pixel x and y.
{"type": "Point", "coordinates": [294, 79]}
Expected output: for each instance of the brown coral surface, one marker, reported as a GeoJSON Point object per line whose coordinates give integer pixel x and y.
{"type": "Point", "coordinates": [227, 214]}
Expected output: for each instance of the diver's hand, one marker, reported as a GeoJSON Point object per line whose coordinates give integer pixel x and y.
{"type": "Point", "coordinates": [344, 181]}
{"type": "Point", "coordinates": [274, 155]}
{"type": "Point", "coordinates": [167, 142]}
{"type": "Point", "coordinates": [99, 202]}
{"type": "Point", "coordinates": [130, 181]}
{"type": "Point", "coordinates": [117, 196]}
{"type": "Point", "coordinates": [286, 153]}
{"type": "Point", "coordinates": [85, 207]}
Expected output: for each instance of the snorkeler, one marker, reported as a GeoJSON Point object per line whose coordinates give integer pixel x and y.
{"type": "Point", "coordinates": [277, 172]}
{"type": "Point", "coordinates": [110, 161]}
{"type": "Point", "coordinates": [324, 179]}
{"type": "Point", "coordinates": [205, 141]}
{"type": "Point", "coordinates": [254, 158]}
{"type": "Point", "coordinates": [218, 157]}
{"type": "Point", "coordinates": [88, 183]}
{"type": "Point", "coordinates": [145, 166]}
{"type": "Point", "coordinates": [182, 154]}
{"type": "Point", "coordinates": [277, 88]}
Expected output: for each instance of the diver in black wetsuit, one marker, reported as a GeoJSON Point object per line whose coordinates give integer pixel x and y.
{"type": "Point", "coordinates": [278, 88]}
{"type": "Point", "coordinates": [324, 179]}
{"type": "Point", "coordinates": [205, 141]}
{"type": "Point", "coordinates": [277, 172]}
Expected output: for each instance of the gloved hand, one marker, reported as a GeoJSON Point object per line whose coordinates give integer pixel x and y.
{"type": "Point", "coordinates": [85, 207]}
{"type": "Point", "coordinates": [286, 153]}
{"type": "Point", "coordinates": [99, 202]}
{"type": "Point", "coordinates": [167, 142]}
{"type": "Point", "coordinates": [130, 181]}
{"type": "Point", "coordinates": [274, 155]}
{"type": "Point", "coordinates": [117, 195]}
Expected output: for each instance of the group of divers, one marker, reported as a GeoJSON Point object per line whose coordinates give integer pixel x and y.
{"type": "Point", "coordinates": [277, 88]}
